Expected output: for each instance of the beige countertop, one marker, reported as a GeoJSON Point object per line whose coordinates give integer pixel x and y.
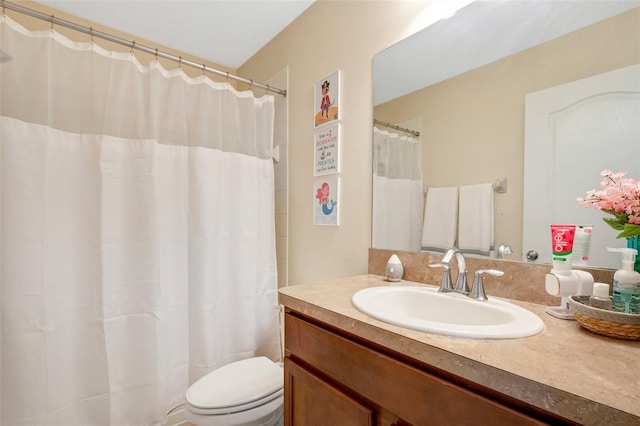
{"type": "Point", "coordinates": [566, 370]}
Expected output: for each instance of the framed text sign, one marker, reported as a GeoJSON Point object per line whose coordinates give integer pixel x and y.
{"type": "Point", "coordinates": [326, 154]}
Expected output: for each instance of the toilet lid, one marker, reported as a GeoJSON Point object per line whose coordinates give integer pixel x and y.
{"type": "Point", "coordinates": [238, 383]}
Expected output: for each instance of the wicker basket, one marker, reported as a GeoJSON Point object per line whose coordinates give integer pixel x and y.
{"type": "Point", "coordinates": [606, 323]}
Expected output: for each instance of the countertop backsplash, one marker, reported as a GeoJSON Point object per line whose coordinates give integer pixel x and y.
{"type": "Point", "coordinates": [521, 281]}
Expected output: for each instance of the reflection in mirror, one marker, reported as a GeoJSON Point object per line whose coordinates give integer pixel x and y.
{"type": "Point", "coordinates": [463, 83]}
{"type": "Point", "coordinates": [397, 186]}
{"type": "Point", "coordinates": [578, 119]}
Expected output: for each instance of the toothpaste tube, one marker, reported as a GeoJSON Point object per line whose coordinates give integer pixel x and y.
{"type": "Point", "coordinates": [581, 245]}
{"type": "Point", "coordinates": [562, 237]}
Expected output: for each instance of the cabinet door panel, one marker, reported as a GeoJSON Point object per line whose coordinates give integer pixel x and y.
{"type": "Point", "coordinates": [309, 401]}
{"type": "Point", "coordinates": [414, 395]}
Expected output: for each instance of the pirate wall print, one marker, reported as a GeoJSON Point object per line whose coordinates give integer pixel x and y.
{"type": "Point", "coordinates": [327, 100]}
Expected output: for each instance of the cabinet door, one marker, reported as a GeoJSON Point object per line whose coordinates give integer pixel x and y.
{"type": "Point", "coordinates": [310, 401]}
{"type": "Point", "coordinates": [390, 385]}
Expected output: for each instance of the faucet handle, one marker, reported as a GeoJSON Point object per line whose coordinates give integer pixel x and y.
{"type": "Point", "coordinates": [445, 284]}
{"type": "Point", "coordinates": [477, 291]}
{"type": "Point", "coordinates": [504, 250]}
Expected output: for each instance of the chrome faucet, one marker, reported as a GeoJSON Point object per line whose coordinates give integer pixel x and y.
{"type": "Point", "coordinates": [461, 280]}
{"type": "Point", "coordinates": [477, 290]}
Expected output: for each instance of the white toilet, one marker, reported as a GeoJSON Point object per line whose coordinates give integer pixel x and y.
{"type": "Point", "coordinates": [248, 393]}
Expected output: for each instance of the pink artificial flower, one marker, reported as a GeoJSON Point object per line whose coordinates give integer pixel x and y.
{"type": "Point", "coordinates": [618, 196]}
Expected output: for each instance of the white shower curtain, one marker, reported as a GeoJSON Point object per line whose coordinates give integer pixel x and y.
{"type": "Point", "coordinates": [138, 246]}
{"type": "Point", "coordinates": [397, 191]}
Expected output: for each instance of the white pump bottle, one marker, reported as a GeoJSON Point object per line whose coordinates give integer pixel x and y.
{"type": "Point", "coordinates": [626, 283]}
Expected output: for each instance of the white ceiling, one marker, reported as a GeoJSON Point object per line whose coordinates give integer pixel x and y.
{"type": "Point", "coordinates": [226, 32]}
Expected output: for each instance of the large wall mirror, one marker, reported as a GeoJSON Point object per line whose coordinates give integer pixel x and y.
{"type": "Point", "coordinates": [464, 82]}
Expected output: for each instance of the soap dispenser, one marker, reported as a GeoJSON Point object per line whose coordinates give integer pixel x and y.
{"type": "Point", "coordinates": [394, 269]}
{"type": "Point", "coordinates": [626, 283]}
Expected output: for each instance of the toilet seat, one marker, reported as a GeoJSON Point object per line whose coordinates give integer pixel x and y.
{"type": "Point", "coordinates": [236, 387]}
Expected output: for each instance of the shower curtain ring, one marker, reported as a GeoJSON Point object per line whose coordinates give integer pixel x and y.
{"type": "Point", "coordinates": [52, 19]}
{"type": "Point", "coordinates": [156, 55]}
{"type": "Point", "coordinates": [204, 69]}
{"type": "Point", "coordinates": [91, 34]}
{"type": "Point", "coordinates": [133, 46]}
{"type": "Point", "coordinates": [180, 62]}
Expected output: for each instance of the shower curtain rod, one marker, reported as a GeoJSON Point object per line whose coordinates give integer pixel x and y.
{"type": "Point", "coordinates": [393, 126]}
{"type": "Point", "coordinates": [133, 45]}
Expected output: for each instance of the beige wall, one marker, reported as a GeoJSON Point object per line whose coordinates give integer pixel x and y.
{"type": "Point", "coordinates": [476, 120]}
{"type": "Point", "coordinates": [329, 36]}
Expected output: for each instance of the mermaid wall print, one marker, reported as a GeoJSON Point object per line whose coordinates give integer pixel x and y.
{"type": "Point", "coordinates": [327, 100]}
{"type": "Point", "coordinates": [325, 203]}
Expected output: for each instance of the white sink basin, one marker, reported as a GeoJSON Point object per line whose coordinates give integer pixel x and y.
{"type": "Point", "coordinates": [449, 314]}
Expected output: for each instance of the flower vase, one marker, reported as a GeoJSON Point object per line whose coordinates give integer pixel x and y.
{"type": "Point", "coordinates": [634, 242]}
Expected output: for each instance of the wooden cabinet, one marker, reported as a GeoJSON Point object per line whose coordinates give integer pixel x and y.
{"type": "Point", "coordinates": [332, 379]}
{"type": "Point", "coordinates": [316, 402]}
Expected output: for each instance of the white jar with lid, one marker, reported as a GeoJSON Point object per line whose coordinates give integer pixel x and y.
{"type": "Point", "coordinates": [600, 298]}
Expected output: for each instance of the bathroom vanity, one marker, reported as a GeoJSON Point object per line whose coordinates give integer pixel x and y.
{"type": "Point", "coordinates": [343, 367]}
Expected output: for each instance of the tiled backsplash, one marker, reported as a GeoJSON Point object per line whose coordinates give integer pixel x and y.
{"type": "Point", "coordinates": [521, 281]}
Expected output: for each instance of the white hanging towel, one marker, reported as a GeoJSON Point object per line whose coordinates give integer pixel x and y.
{"type": "Point", "coordinates": [440, 218]}
{"type": "Point", "coordinates": [475, 227]}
